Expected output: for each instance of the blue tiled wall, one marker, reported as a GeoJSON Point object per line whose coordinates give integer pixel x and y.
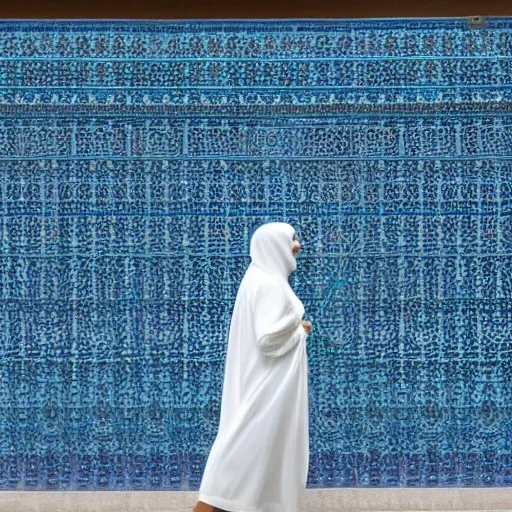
{"type": "Point", "coordinates": [136, 160]}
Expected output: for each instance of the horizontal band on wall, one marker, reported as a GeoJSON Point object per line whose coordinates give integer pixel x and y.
{"type": "Point", "coordinates": [250, 110]}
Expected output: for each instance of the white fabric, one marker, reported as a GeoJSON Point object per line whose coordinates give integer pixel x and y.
{"type": "Point", "coordinates": [259, 460]}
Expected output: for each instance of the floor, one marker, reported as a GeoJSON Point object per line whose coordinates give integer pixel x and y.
{"type": "Point", "coordinates": [315, 500]}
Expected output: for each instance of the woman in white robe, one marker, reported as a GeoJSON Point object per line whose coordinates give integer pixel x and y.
{"type": "Point", "coordinates": [259, 460]}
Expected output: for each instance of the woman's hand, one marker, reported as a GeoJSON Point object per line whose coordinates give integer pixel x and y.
{"type": "Point", "coordinates": [307, 325]}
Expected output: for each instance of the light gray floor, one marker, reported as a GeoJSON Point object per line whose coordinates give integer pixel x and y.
{"type": "Point", "coordinates": [315, 500]}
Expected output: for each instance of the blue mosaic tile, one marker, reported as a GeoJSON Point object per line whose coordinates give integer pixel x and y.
{"type": "Point", "coordinates": [136, 160]}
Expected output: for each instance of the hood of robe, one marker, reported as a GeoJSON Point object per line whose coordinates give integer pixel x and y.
{"type": "Point", "coordinates": [272, 248]}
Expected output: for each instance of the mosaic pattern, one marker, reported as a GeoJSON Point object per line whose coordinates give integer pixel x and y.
{"type": "Point", "coordinates": [136, 159]}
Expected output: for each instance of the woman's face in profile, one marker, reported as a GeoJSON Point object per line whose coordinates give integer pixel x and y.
{"type": "Point", "coordinates": [296, 245]}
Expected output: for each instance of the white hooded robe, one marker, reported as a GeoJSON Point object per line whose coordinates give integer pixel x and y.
{"type": "Point", "coordinates": [259, 459]}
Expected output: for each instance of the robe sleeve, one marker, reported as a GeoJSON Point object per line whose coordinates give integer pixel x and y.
{"type": "Point", "coordinates": [277, 324]}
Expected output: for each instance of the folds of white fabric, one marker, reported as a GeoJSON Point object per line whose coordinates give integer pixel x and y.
{"type": "Point", "coordinates": [259, 459]}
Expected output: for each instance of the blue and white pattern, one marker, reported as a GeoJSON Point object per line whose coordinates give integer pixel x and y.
{"type": "Point", "coordinates": [136, 160]}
